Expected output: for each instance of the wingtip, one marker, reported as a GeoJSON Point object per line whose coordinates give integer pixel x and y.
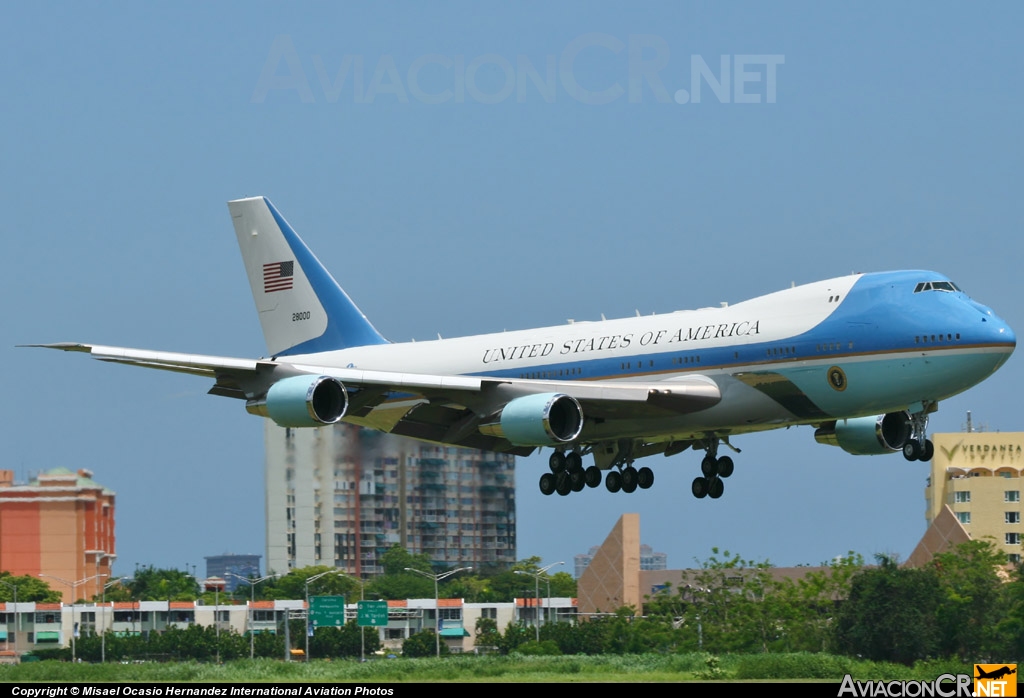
{"type": "Point", "coordinates": [63, 346]}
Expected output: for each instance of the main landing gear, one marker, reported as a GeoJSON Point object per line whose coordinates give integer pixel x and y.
{"type": "Point", "coordinates": [714, 469]}
{"type": "Point", "coordinates": [628, 479]}
{"type": "Point", "coordinates": [568, 475]}
{"type": "Point", "coordinates": [919, 446]}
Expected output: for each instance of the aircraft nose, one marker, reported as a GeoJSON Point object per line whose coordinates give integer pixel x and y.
{"type": "Point", "coordinates": [997, 331]}
{"type": "Point", "coordinates": [1009, 336]}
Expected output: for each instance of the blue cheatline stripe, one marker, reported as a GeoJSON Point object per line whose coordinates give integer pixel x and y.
{"type": "Point", "coordinates": [346, 324]}
{"type": "Point", "coordinates": [874, 328]}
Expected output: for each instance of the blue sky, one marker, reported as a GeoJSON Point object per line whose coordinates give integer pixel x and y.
{"type": "Point", "coordinates": [412, 148]}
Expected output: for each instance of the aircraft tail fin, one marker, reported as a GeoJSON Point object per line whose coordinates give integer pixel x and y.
{"type": "Point", "coordinates": [302, 308]}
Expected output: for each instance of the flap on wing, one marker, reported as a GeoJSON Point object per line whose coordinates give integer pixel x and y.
{"type": "Point", "coordinates": [626, 398]}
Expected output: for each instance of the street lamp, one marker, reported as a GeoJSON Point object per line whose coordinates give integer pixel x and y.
{"type": "Point", "coordinates": [73, 586]}
{"type": "Point", "coordinates": [536, 592]}
{"type": "Point", "coordinates": [437, 611]}
{"type": "Point", "coordinates": [15, 587]}
{"type": "Point", "coordinates": [307, 583]}
{"type": "Point", "coordinates": [101, 555]}
{"type": "Point", "coordinates": [362, 597]}
{"type": "Point", "coordinates": [215, 583]}
{"type": "Point", "coordinates": [103, 636]}
{"type": "Point", "coordinates": [252, 600]}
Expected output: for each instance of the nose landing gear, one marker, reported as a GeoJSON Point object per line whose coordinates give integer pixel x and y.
{"type": "Point", "coordinates": [919, 446]}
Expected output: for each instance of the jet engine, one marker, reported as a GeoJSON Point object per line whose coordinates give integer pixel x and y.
{"type": "Point", "coordinates": [544, 419]}
{"type": "Point", "coordinates": [302, 401]}
{"type": "Point", "coordinates": [867, 436]}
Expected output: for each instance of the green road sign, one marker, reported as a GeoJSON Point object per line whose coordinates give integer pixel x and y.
{"type": "Point", "coordinates": [373, 613]}
{"type": "Point", "coordinates": [326, 611]}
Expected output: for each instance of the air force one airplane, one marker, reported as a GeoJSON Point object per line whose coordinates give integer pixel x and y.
{"type": "Point", "coordinates": [863, 358]}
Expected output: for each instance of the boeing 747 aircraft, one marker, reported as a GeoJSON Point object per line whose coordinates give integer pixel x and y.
{"type": "Point", "coordinates": [863, 358]}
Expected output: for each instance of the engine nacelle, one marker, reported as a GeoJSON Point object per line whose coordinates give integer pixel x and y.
{"type": "Point", "coordinates": [303, 401]}
{"type": "Point", "coordinates": [545, 419]}
{"type": "Point", "coordinates": [867, 436]}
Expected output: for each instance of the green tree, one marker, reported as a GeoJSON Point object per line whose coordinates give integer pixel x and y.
{"type": "Point", "coordinates": [423, 644]}
{"type": "Point", "coordinates": [397, 558]}
{"type": "Point", "coordinates": [514, 635]}
{"type": "Point", "coordinates": [29, 589]}
{"type": "Point", "coordinates": [397, 582]}
{"type": "Point", "coordinates": [343, 642]}
{"type": "Point", "coordinates": [890, 614]}
{"type": "Point", "coordinates": [487, 635]}
{"type": "Point", "coordinates": [293, 585]}
{"type": "Point", "coordinates": [563, 585]}
{"type": "Point", "coordinates": [807, 606]}
{"type": "Point", "coordinates": [472, 588]}
{"type": "Point", "coordinates": [730, 605]}
{"type": "Point", "coordinates": [118, 591]}
{"type": "Point", "coordinates": [153, 584]}
{"type": "Point", "coordinates": [969, 610]}
{"type": "Point", "coordinates": [1010, 628]}
{"type": "Point", "coordinates": [268, 645]}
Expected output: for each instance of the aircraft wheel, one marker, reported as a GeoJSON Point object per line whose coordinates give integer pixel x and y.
{"type": "Point", "coordinates": [573, 462]}
{"type": "Point", "coordinates": [613, 481]}
{"type": "Point", "coordinates": [564, 485]}
{"type": "Point", "coordinates": [715, 488]}
{"type": "Point", "coordinates": [629, 480]}
{"type": "Point", "coordinates": [929, 450]}
{"type": "Point", "coordinates": [912, 450]}
{"type": "Point", "coordinates": [577, 480]}
{"type": "Point", "coordinates": [699, 487]}
{"type": "Point", "coordinates": [645, 478]}
{"type": "Point", "coordinates": [709, 466]}
{"type": "Point", "coordinates": [556, 462]}
{"type": "Point", "coordinates": [725, 466]}
{"type": "Point", "coordinates": [592, 476]}
{"type": "Point", "coordinates": [547, 484]}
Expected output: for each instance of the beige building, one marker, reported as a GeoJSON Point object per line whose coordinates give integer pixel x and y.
{"type": "Point", "coordinates": [978, 476]}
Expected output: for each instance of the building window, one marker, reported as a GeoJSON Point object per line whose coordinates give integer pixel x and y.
{"type": "Point", "coordinates": [962, 497]}
{"type": "Point", "coordinates": [963, 517]}
{"type": "Point", "coordinates": [1013, 558]}
{"type": "Point", "coordinates": [1013, 539]}
{"type": "Point", "coordinates": [1011, 496]}
{"type": "Point", "coordinates": [1013, 517]}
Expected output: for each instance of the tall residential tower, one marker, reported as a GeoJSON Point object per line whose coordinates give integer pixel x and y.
{"type": "Point", "coordinates": [342, 495]}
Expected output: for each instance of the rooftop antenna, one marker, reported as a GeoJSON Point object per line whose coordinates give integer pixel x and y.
{"type": "Point", "coordinates": [971, 428]}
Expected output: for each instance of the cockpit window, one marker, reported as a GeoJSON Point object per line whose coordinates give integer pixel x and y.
{"type": "Point", "coordinates": [947, 286]}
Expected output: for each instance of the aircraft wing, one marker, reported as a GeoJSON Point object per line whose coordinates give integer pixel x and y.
{"type": "Point", "coordinates": [441, 408]}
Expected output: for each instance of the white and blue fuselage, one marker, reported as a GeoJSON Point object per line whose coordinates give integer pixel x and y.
{"type": "Point", "coordinates": [891, 340]}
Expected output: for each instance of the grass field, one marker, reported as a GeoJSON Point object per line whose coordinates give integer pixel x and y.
{"type": "Point", "coordinates": [514, 668]}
